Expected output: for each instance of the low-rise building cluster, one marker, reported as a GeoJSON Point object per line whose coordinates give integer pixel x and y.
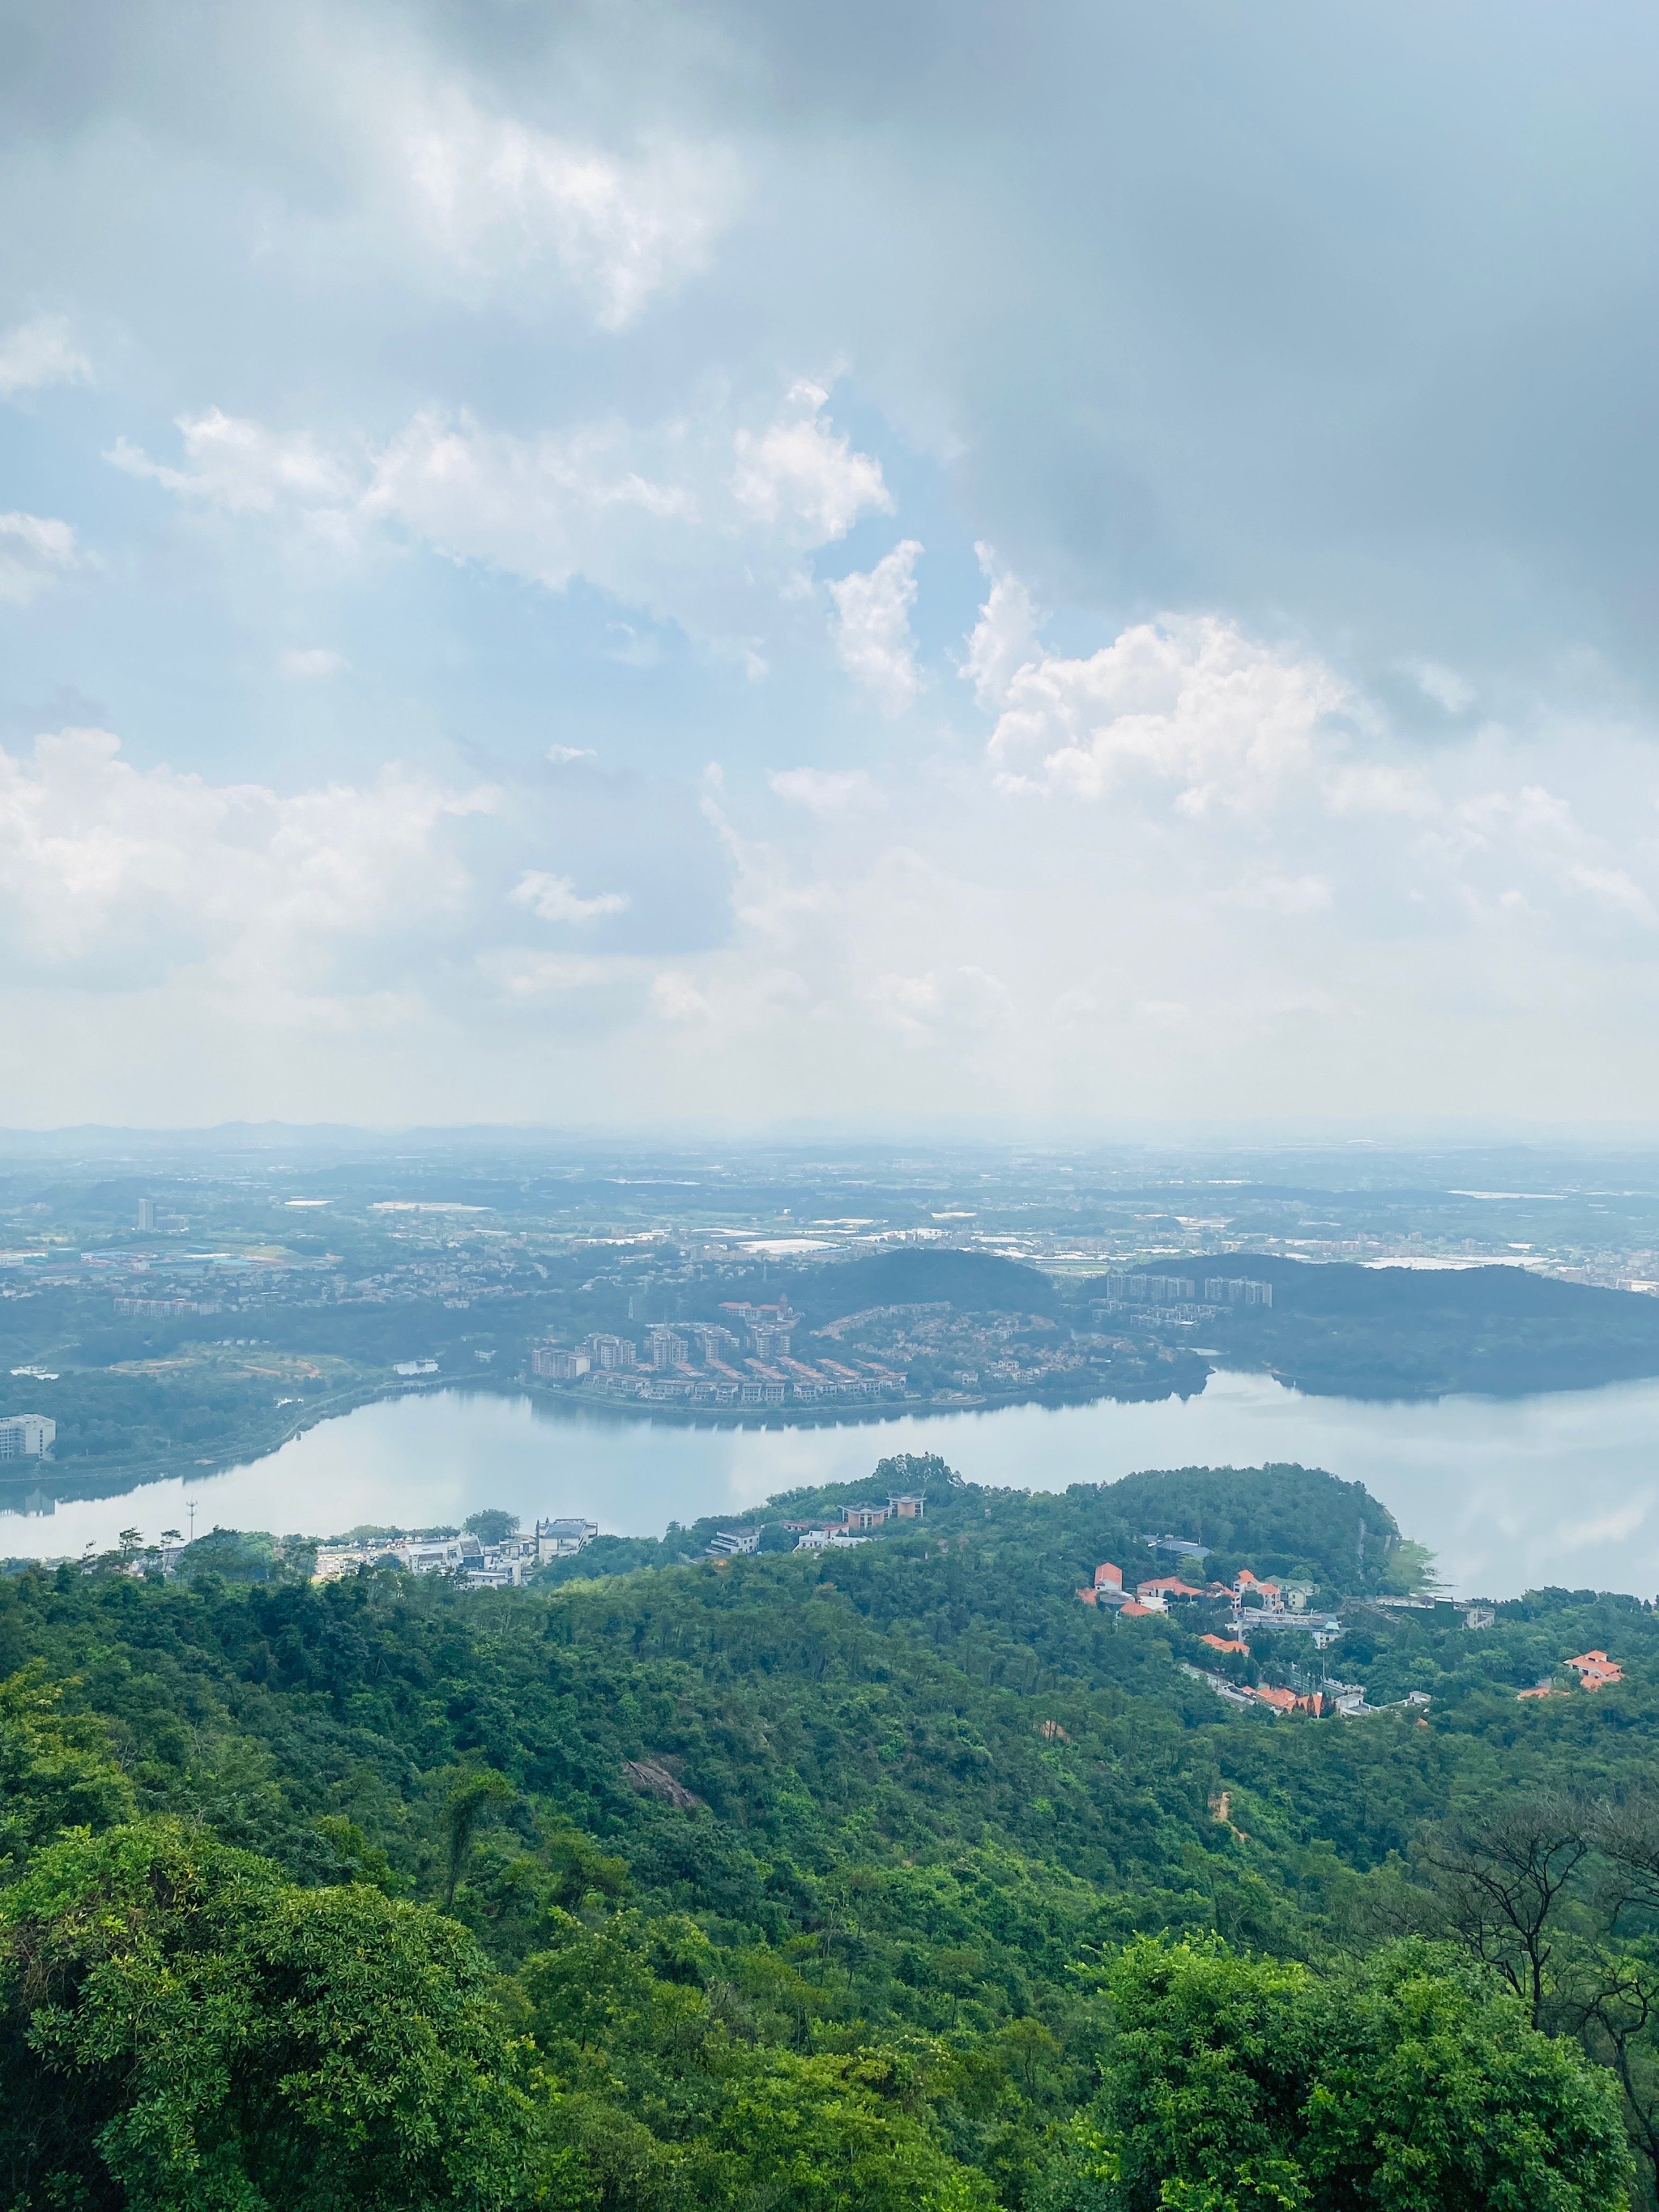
{"type": "Point", "coordinates": [1252, 1597]}
{"type": "Point", "coordinates": [1179, 1295]}
{"type": "Point", "coordinates": [691, 1363]}
{"type": "Point", "coordinates": [501, 1565]}
{"type": "Point", "coordinates": [857, 1522]}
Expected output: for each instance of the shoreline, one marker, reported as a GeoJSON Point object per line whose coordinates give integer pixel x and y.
{"type": "Point", "coordinates": [68, 1482]}
{"type": "Point", "coordinates": [72, 1482]}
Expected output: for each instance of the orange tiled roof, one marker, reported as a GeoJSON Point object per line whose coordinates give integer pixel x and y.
{"type": "Point", "coordinates": [1131, 1611]}
{"type": "Point", "coordinates": [1225, 1643]}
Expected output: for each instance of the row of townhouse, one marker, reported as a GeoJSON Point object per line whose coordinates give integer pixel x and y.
{"type": "Point", "coordinates": [757, 1383]}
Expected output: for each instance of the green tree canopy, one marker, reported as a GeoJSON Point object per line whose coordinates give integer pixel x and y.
{"type": "Point", "coordinates": [183, 2031]}
{"type": "Point", "coordinates": [1233, 2084]}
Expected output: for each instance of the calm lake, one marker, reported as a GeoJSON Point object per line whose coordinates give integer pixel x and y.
{"type": "Point", "coordinates": [1510, 1493]}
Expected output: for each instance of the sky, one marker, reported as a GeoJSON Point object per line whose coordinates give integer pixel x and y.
{"type": "Point", "coordinates": [747, 563]}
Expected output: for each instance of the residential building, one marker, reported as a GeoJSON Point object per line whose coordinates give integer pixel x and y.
{"type": "Point", "coordinates": [559, 1539]}
{"type": "Point", "coordinates": [1163, 1587]}
{"type": "Point", "coordinates": [732, 1543]}
{"type": "Point", "coordinates": [863, 1517]}
{"type": "Point", "coordinates": [1226, 1643]}
{"type": "Point", "coordinates": [1478, 1616]}
{"type": "Point", "coordinates": [908, 1505]}
{"type": "Point", "coordinates": [1182, 1546]}
{"type": "Point", "coordinates": [665, 1349]}
{"type": "Point", "coordinates": [782, 1315]}
{"type": "Point", "coordinates": [1248, 1589]}
{"type": "Point", "coordinates": [1595, 1670]}
{"type": "Point", "coordinates": [1107, 1588]}
{"type": "Point", "coordinates": [1151, 1289]}
{"type": "Point", "coordinates": [145, 1216]}
{"type": "Point", "coordinates": [27, 1436]}
{"type": "Point", "coordinates": [605, 1352]}
{"type": "Point", "coordinates": [765, 1328]}
{"type": "Point", "coordinates": [558, 1363]}
{"type": "Point", "coordinates": [1235, 1291]}
{"type": "Point", "coordinates": [492, 1573]}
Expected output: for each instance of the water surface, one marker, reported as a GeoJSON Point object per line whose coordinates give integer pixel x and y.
{"type": "Point", "coordinates": [1511, 1494]}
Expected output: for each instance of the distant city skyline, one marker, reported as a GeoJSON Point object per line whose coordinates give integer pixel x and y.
{"type": "Point", "coordinates": [717, 564]}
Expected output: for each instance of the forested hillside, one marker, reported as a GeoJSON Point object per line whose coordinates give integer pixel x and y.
{"type": "Point", "coordinates": [1416, 1333]}
{"type": "Point", "coordinates": [887, 1876]}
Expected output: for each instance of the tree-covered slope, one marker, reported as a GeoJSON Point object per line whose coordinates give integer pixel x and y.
{"type": "Point", "coordinates": [800, 1879]}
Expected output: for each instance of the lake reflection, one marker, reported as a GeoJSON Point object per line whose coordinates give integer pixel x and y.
{"type": "Point", "coordinates": [1511, 1494]}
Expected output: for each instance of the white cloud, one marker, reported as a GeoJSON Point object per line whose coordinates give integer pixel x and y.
{"type": "Point", "coordinates": [499, 197]}
{"type": "Point", "coordinates": [653, 514]}
{"type": "Point", "coordinates": [35, 550]}
{"type": "Point", "coordinates": [829, 794]}
{"type": "Point", "coordinates": [872, 628]}
{"type": "Point", "coordinates": [554, 898]}
{"type": "Point", "coordinates": [939, 1003]}
{"type": "Point", "coordinates": [1003, 638]}
{"type": "Point", "coordinates": [567, 756]}
{"type": "Point", "coordinates": [247, 469]}
{"type": "Point", "coordinates": [801, 473]}
{"type": "Point", "coordinates": [102, 861]}
{"type": "Point", "coordinates": [1444, 686]}
{"type": "Point", "coordinates": [37, 352]}
{"type": "Point", "coordinates": [542, 507]}
{"type": "Point", "coordinates": [1544, 828]}
{"type": "Point", "coordinates": [1192, 702]}
{"type": "Point", "coordinates": [312, 663]}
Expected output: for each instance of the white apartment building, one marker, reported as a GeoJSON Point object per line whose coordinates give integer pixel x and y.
{"type": "Point", "coordinates": [27, 1436]}
{"type": "Point", "coordinates": [558, 1363]}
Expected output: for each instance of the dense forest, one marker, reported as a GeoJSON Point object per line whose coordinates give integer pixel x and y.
{"type": "Point", "coordinates": [888, 1876]}
{"type": "Point", "coordinates": [1417, 1333]}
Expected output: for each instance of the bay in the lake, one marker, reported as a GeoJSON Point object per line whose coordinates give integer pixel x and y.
{"type": "Point", "coordinates": [1510, 1493]}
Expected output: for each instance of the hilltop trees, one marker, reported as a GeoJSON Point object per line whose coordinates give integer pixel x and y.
{"type": "Point", "coordinates": [1232, 2084]}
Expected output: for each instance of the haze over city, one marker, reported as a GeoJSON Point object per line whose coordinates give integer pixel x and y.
{"type": "Point", "coordinates": [598, 566]}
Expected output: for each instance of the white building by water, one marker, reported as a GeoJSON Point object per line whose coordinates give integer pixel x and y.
{"type": "Point", "coordinates": [27, 1436]}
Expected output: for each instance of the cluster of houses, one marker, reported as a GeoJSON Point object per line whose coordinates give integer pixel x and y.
{"type": "Point", "coordinates": [856, 1522]}
{"type": "Point", "coordinates": [743, 1359]}
{"type": "Point", "coordinates": [1346, 1698]}
{"type": "Point", "coordinates": [505, 1565]}
{"type": "Point", "coordinates": [854, 1527]}
{"type": "Point", "coordinates": [1285, 1605]}
{"type": "Point", "coordinates": [1595, 1670]}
